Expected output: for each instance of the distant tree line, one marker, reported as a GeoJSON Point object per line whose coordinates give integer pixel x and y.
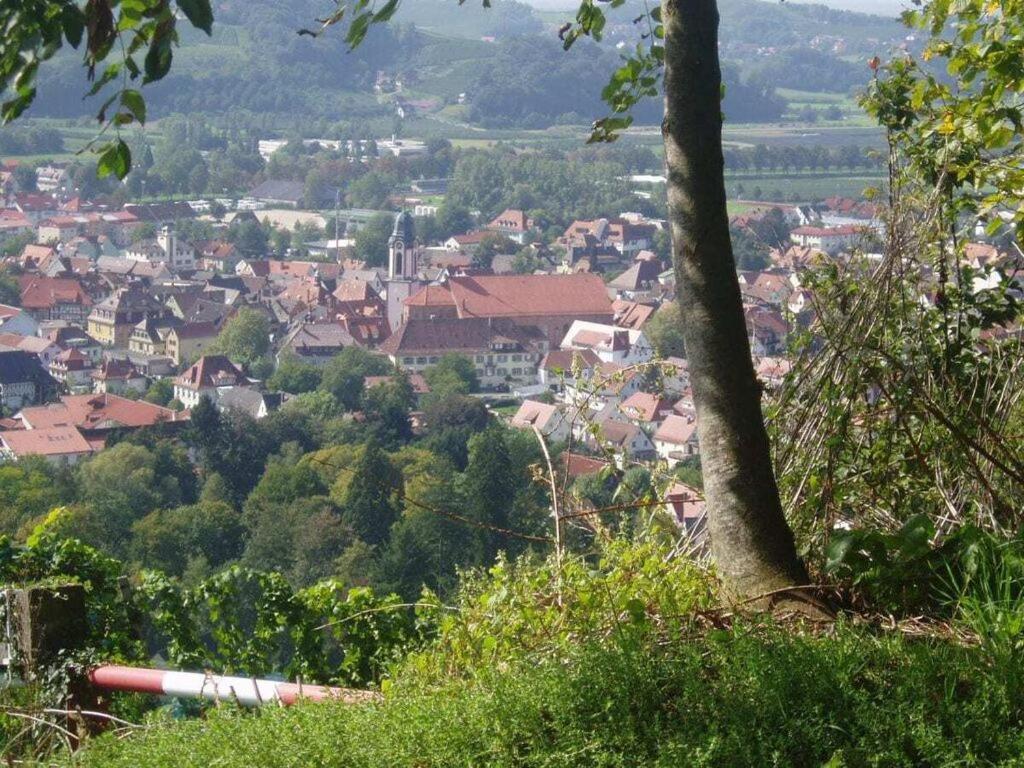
{"type": "Point", "coordinates": [800, 157]}
{"type": "Point", "coordinates": [30, 140]}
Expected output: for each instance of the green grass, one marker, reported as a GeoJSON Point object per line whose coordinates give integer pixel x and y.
{"type": "Point", "coordinates": [736, 207]}
{"type": "Point", "coordinates": [806, 188]}
{"type": "Point", "coordinates": [729, 698]}
{"type": "Point", "coordinates": [609, 665]}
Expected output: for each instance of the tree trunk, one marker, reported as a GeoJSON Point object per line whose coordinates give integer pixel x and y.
{"type": "Point", "coordinates": [752, 544]}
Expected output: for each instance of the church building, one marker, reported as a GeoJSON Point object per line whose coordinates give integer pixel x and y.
{"type": "Point", "coordinates": [403, 267]}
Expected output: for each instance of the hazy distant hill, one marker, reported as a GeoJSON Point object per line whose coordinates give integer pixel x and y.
{"type": "Point", "coordinates": [506, 60]}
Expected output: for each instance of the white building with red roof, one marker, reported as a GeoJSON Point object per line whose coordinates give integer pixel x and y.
{"type": "Point", "coordinates": [97, 414]}
{"type": "Point", "coordinates": [72, 369]}
{"type": "Point", "coordinates": [209, 374]}
{"type": "Point", "coordinates": [687, 506]}
{"type": "Point", "coordinates": [676, 439]}
{"type": "Point", "coordinates": [503, 353]}
{"type": "Point", "coordinates": [54, 298]}
{"type": "Point", "coordinates": [550, 302]}
{"type": "Point", "coordinates": [513, 224]}
{"type": "Point", "coordinates": [832, 240]}
{"type": "Point", "coordinates": [547, 418]}
{"type": "Point", "coordinates": [42, 348]}
{"type": "Point", "coordinates": [610, 343]}
{"type": "Point", "coordinates": [63, 445]}
{"type": "Point", "coordinates": [645, 409]}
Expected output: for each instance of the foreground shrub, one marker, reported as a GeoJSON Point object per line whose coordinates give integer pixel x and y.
{"type": "Point", "coordinates": [749, 696]}
{"type": "Point", "coordinates": [621, 662]}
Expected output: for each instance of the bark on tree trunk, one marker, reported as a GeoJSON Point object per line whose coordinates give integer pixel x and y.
{"type": "Point", "coordinates": [752, 544]}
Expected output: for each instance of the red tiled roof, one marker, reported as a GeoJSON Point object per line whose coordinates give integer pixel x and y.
{"type": "Point", "coordinates": [450, 260]}
{"type": "Point", "coordinates": [96, 412]}
{"type": "Point", "coordinates": [534, 413]}
{"type": "Point", "coordinates": [211, 371]}
{"type": "Point", "coordinates": [511, 220]}
{"type": "Point", "coordinates": [561, 360]}
{"type": "Point", "coordinates": [631, 315]}
{"type": "Point", "coordinates": [759, 319]}
{"type": "Point", "coordinates": [355, 290]}
{"type": "Point", "coordinates": [469, 238]}
{"type": "Point", "coordinates": [33, 344]}
{"type": "Point", "coordinates": [676, 430]}
{"type": "Point", "coordinates": [420, 335]}
{"type": "Point", "coordinates": [686, 502]}
{"type": "Point", "coordinates": [576, 464]}
{"type": "Point", "coordinates": [36, 252]}
{"type": "Point", "coordinates": [53, 441]}
{"type": "Point", "coordinates": [644, 406]}
{"type": "Point", "coordinates": [71, 356]}
{"type": "Point", "coordinates": [46, 292]}
{"type": "Point", "coordinates": [116, 370]}
{"type": "Point", "coordinates": [530, 295]}
{"type": "Point", "coordinates": [431, 296]}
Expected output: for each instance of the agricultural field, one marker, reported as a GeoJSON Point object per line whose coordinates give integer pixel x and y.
{"type": "Point", "coordinates": [799, 188]}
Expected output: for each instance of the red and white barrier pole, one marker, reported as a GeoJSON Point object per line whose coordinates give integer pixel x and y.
{"type": "Point", "coordinates": [245, 690]}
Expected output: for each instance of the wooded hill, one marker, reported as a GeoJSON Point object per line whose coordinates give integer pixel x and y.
{"type": "Point", "coordinates": [507, 61]}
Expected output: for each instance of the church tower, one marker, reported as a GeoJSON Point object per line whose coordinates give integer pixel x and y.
{"type": "Point", "coordinates": [403, 271]}
{"type": "Point", "coordinates": [402, 249]}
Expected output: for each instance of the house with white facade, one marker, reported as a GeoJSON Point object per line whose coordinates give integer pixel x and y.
{"type": "Point", "coordinates": [209, 374]}
{"type": "Point", "coordinates": [610, 343]}
{"type": "Point", "coordinates": [167, 249]}
{"type": "Point", "coordinates": [832, 240]}
{"type": "Point", "coordinates": [676, 439]}
{"type": "Point", "coordinates": [549, 419]}
{"type": "Point", "coordinates": [627, 441]}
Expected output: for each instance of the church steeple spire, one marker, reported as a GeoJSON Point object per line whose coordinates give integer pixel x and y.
{"type": "Point", "coordinates": [402, 248]}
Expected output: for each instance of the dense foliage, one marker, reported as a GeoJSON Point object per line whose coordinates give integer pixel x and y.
{"type": "Point", "coordinates": [611, 665]}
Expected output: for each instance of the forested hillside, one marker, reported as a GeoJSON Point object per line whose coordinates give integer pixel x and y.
{"type": "Point", "coordinates": [257, 62]}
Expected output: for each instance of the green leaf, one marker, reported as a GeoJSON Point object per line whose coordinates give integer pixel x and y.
{"type": "Point", "coordinates": [199, 13]}
{"type": "Point", "coordinates": [358, 28]}
{"type": "Point", "coordinates": [73, 21]}
{"type": "Point", "coordinates": [116, 159]}
{"type": "Point", "coordinates": [134, 103]}
{"type": "Point", "coordinates": [111, 72]}
{"type": "Point", "coordinates": [158, 59]}
{"type": "Point", "coordinates": [13, 108]}
{"type": "Point", "coordinates": [385, 13]}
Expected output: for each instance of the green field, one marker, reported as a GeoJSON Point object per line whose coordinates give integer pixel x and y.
{"type": "Point", "coordinates": [795, 186]}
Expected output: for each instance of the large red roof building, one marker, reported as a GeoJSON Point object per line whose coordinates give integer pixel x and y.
{"type": "Point", "coordinates": [548, 302]}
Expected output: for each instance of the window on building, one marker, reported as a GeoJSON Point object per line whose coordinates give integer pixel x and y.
{"type": "Point", "coordinates": [502, 358]}
{"type": "Point", "coordinates": [421, 361]}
